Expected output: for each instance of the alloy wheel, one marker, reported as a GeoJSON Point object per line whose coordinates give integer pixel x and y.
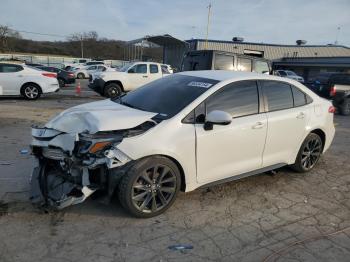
{"type": "Point", "coordinates": [154, 189]}
{"type": "Point", "coordinates": [311, 153]}
{"type": "Point", "coordinates": [31, 92]}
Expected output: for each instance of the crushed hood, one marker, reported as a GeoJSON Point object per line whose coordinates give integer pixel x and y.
{"type": "Point", "coordinates": [104, 115]}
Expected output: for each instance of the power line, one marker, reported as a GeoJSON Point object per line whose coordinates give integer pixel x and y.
{"type": "Point", "coordinates": [36, 33]}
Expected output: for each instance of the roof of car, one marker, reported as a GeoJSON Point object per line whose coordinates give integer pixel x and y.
{"type": "Point", "coordinates": [222, 75]}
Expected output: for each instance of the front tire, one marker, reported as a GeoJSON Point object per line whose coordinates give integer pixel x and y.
{"type": "Point", "coordinates": [309, 153]}
{"type": "Point", "coordinates": [150, 187]}
{"type": "Point", "coordinates": [344, 109]}
{"type": "Point", "coordinates": [112, 90]}
{"type": "Point", "coordinates": [31, 91]}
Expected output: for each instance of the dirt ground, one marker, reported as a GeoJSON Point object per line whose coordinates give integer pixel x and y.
{"type": "Point", "coordinates": [269, 217]}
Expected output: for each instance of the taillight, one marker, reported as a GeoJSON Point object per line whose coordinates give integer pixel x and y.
{"type": "Point", "coordinates": [71, 74]}
{"type": "Point", "coordinates": [333, 91]}
{"type": "Point", "coordinates": [54, 75]}
{"type": "Point", "coordinates": [331, 109]}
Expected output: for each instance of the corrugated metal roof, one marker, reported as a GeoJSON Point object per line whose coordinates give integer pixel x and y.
{"type": "Point", "coordinates": [272, 51]}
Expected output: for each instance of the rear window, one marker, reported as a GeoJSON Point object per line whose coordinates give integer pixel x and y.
{"type": "Point", "coordinates": [223, 62]}
{"type": "Point", "coordinates": [279, 95]}
{"type": "Point", "coordinates": [244, 64]}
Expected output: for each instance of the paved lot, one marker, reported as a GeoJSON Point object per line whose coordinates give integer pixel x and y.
{"type": "Point", "coordinates": [280, 217]}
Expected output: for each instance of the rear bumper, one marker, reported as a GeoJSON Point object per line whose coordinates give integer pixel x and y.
{"type": "Point", "coordinates": [97, 85]}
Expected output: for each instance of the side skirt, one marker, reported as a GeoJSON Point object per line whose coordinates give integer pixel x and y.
{"type": "Point", "coordinates": [251, 173]}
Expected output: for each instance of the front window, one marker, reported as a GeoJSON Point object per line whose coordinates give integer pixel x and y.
{"type": "Point", "coordinates": [238, 99]}
{"type": "Point", "coordinates": [167, 96]}
{"type": "Point", "coordinates": [138, 69]}
{"type": "Point", "coordinates": [10, 68]}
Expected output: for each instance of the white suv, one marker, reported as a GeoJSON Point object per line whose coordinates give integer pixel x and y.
{"type": "Point", "coordinates": [181, 132]}
{"type": "Point", "coordinates": [129, 77]}
{"type": "Point", "coordinates": [26, 81]}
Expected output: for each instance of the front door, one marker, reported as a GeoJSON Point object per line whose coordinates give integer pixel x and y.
{"type": "Point", "coordinates": [236, 148]}
{"type": "Point", "coordinates": [137, 76]}
{"type": "Point", "coordinates": [11, 79]}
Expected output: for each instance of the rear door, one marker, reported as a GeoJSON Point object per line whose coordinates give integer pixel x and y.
{"type": "Point", "coordinates": [237, 148]}
{"type": "Point", "coordinates": [154, 72]}
{"type": "Point", "coordinates": [287, 115]}
{"type": "Point", "coordinates": [11, 79]}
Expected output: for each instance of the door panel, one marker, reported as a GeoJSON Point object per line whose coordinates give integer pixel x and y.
{"type": "Point", "coordinates": [236, 148]}
{"type": "Point", "coordinates": [230, 150]}
{"type": "Point", "coordinates": [139, 76]}
{"type": "Point", "coordinates": [285, 133]}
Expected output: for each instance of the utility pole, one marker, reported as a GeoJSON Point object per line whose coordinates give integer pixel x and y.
{"type": "Point", "coordinates": [336, 39]}
{"type": "Point", "coordinates": [82, 46]}
{"type": "Point", "coordinates": [206, 39]}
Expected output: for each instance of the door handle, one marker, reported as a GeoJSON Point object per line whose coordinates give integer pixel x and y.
{"type": "Point", "coordinates": [301, 115]}
{"type": "Point", "coordinates": [258, 125]}
{"type": "Point", "coordinates": [144, 76]}
{"type": "Point", "coordinates": [20, 75]}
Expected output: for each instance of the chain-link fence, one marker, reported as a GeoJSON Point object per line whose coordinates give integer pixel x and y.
{"type": "Point", "coordinates": [56, 61]}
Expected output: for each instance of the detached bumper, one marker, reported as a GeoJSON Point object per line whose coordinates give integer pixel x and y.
{"type": "Point", "coordinates": [97, 85]}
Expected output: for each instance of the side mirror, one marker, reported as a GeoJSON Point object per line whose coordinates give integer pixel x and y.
{"type": "Point", "coordinates": [217, 117]}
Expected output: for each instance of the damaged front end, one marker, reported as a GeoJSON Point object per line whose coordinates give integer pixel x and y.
{"type": "Point", "coordinates": [69, 167]}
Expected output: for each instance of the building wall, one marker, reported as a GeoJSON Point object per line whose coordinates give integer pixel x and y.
{"type": "Point", "coordinates": [273, 52]}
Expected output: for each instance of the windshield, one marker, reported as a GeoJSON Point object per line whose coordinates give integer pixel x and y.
{"type": "Point", "coordinates": [124, 68]}
{"type": "Point", "coordinates": [167, 96]}
{"type": "Point", "coordinates": [291, 73]}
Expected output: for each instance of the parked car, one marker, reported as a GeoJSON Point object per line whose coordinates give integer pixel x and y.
{"type": "Point", "coordinates": [26, 81]}
{"type": "Point", "coordinates": [85, 71]}
{"type": "Point", "coordinates": [334, 86]}
{"type": "Point", "coordinates": [63, 77]}
{"type": "Point", "coordinates": [94, 63]}
{"type": "Point", "coordinates": [167, 69]}
{"type": "Point", "coordinates": [180, 132]}
{"type": "Point", "coordinates": [219, 60]}
{"type": "Point", "coordinates": [289, 74]}
{"type": "Point", "coordinates": [129, 77]}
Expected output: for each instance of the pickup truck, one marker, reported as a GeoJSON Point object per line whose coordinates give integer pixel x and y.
{"type": "Point", "coordinates": [131, 76]}
{"type": "Point", "coordinates": [336, 87]}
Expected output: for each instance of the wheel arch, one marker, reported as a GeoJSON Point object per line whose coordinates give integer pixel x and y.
{"type": "Point", "coordinates": [115, 82]}
{"type": "Point", "coordinates": [321, 134]}
{"type": "Point", "coordinates": [31, 83]}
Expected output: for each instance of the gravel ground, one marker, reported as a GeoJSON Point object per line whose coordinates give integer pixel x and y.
{"type": "Point", "coordinates": [269, 217]}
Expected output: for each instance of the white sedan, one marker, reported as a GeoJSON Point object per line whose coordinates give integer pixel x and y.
{"type": "Point", "coordinates": [26, 81]}
{"type": "Point", "coordinates": [86, 71]}
{"type": "Point", "coordinates": [180, 132]}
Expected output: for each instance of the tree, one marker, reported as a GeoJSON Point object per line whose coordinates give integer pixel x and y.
{"type": "Point", "coordinates": [5, 34]}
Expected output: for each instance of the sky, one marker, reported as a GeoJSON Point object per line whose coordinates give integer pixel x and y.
{"type": "Point", "coordinates": [267, 21]}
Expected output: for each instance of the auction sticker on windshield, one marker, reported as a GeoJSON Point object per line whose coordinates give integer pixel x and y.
{"type": "Point", "coordinates": [199, 84]}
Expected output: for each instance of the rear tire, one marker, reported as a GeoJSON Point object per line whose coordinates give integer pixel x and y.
{"type": "Point", "coordinates": [61, 82]}
{"type": "Point", "coordinates": [80, 76]}
{"type": "Point", "coordinates": [344, 109]}
{"type": "Point", "coordinates": [112, 90]}
{"type": "Point", "coordinates": [150, 187]}
{"type": "Point", "coordinates": [309, 153]}
{"type": "Point", "coordinates": [31, 91]}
